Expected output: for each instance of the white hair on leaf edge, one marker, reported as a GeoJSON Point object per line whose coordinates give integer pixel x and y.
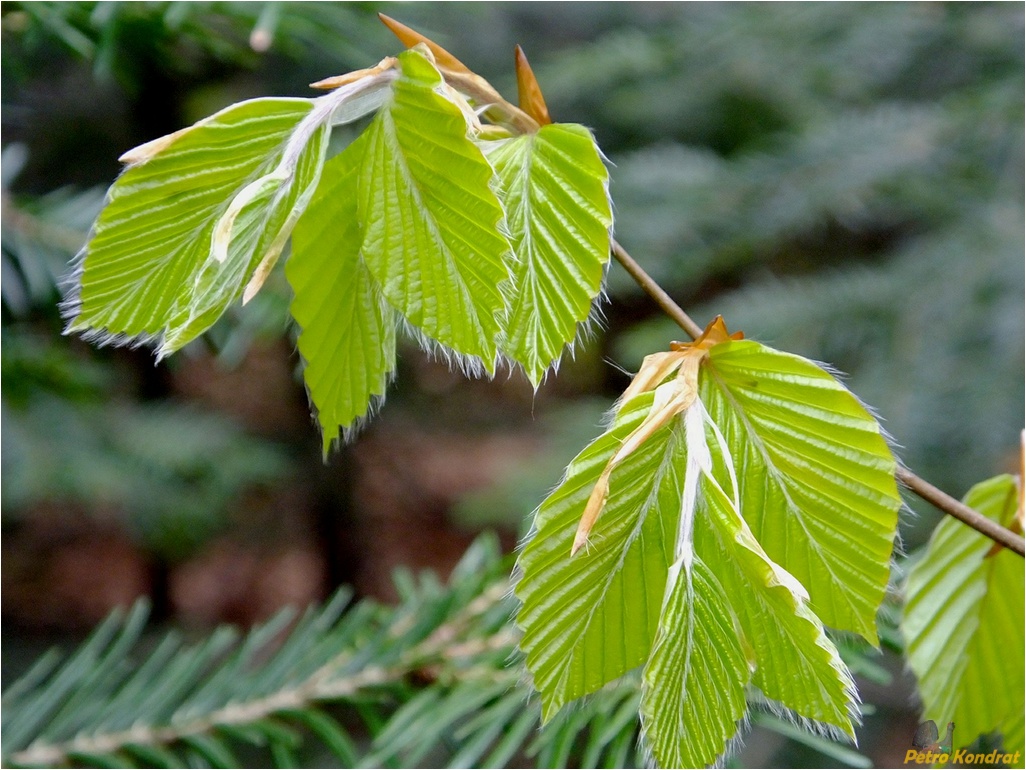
{"type": "Point", "coordinates": [469, 366]}
{"type": "Point", "coordinates": [587, 331]}
{"type": "Point", "coordinates": [70, 308]}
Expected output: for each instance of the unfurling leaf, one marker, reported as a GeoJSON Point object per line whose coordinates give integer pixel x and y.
{"type": "Point", "coordinates": [153, 269]}
{"type": "Point", "coordinates": [818, 486]}
{"type": "Point", "coordinates": [695, 679]}
{"type": "Point", "coordinates": [247, 242]}
{"type": "Point", "coordinates": [796, 663]}
{"type": "Point", "coordinates": [200, 217]}
{"type": "Point", "coordinates": [964, 621]}
{"type": "Point", "coordinates": [674, 574]}
{"type": "Point", "coordinates": [590, 619]}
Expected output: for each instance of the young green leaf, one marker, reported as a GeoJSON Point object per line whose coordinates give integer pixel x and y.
{"type": "Point", "coordinates": [432, 236]}
{"type": "Point", "coordinates": [247, 241]}
{"type": "Point", "coordinates": [347, 337]}
{"type": "Point", "coordinates": [964, 623]}
{"type": "Point", "coordinates": [200, 216]}
{"type": "Point", "coordinates": [554, 188]}
{"type": "Point", "coordinates": [591, 618]}
{"type": "Point", "coordinates": [695, 681]}
{"type": "Point", "coordinates": [142, 273]}
{"type": "Point", "coordinates": [818, 488]}
{"type": "Point", "coordinates": [796, 663]}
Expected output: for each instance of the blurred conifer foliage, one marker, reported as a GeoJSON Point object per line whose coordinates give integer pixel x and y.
{"type": "Point", "coordinates": [840, 180]}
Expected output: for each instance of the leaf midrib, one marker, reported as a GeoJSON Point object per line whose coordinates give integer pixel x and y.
{"type": "Point", "coordinates": [428, 218]}
{"type": "Point", "coordinates": [611, 575]}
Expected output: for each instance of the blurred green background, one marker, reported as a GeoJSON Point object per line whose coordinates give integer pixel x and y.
{"type": "Point", "coordinates": [844, 181]}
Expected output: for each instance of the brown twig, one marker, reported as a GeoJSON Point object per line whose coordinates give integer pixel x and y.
{"type": "Point", "coordinates": [655, 291]}
{"type": "Point", "coordinates": [927, 491]}
{"type": "Point", "coordinates": [961, 511]}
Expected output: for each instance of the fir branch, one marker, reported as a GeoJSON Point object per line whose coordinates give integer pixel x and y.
{"type": "Point", "coordinates": [210, 691]}
{"type": "Point", "coordinates": [443, 661]}
{"type": "Point", "coordinates": [33, 226]}
{"type": "Point", "coordinates": [931, 494]}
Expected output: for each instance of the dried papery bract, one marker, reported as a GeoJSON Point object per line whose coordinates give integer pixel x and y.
{"type": "Point", "coordinates": [410, 37]}
{"type": "Point", "coordinates": [337, 81]}
{"type": "Point", "coordinates": [447, 64]}
{"type": "Point", "coordinates": [672, 398]}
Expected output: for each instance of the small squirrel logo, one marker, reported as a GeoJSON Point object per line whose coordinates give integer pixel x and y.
{"type": "Point", "coordinates": [927, 739]}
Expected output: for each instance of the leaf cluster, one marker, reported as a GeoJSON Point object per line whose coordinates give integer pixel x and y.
{"type": "Point", "coordinates": [740, 500]}
{"type": "Point", "coordinates": [483, 259]}
{"type": "Point", "coordinates": [722, 524]}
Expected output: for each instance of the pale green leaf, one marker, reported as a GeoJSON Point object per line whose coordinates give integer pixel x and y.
{"type": "Point", "coordinates": [796, 663]}
{"type": "Point", "coordinates": [694, 689]}
{"type": "Point", "coordinates": [816, 476]}
{"type": "Point", "coordinates": [347, 337]}
{"type": "Point", "coordinates": [553, 186]}
{"type": "Point", "coordinates": [964, 622]}
{"type": "Point", "coordinates": [431, 220]}
{"type": "Point", "coordinates": [248, 239]}
{"type": "Point", "coordinates": [142, 273]}
{"type": "Point", "coordinates": [591, 618]}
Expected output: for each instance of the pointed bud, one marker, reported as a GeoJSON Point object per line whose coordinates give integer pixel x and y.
{"type": "Point", "coordinates": [531, 100]}
{"type": "Point", "coordinates": [410, 37]}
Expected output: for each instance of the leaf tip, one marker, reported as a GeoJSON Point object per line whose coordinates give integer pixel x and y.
{"type": "Point", "coordinates": [580, 540]}
{"type": "Point", "coordinates": [327, 442]}
{"type": "Point", "coordinates": [150, 149]}
{"type": "Point", "coordinates": [596, 502]}
{"type": "Point", "coordinates": [253, 287]}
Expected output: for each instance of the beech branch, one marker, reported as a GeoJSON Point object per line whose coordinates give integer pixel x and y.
{"type": "Point", "coordinates": [924, 489]}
